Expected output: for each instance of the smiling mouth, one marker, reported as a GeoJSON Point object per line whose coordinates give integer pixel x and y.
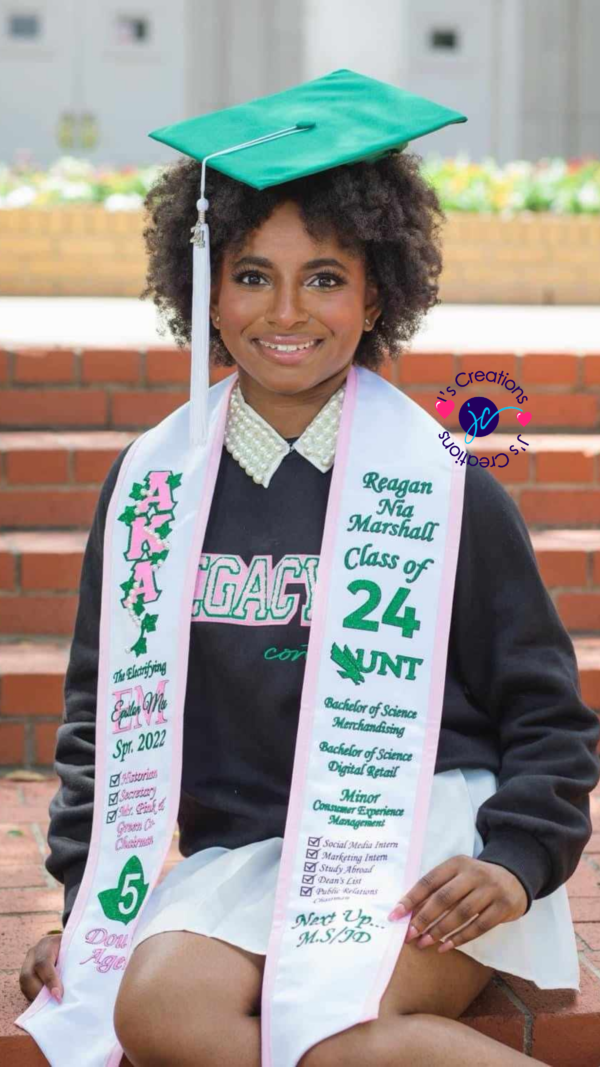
{"type": "Point", "coordinates": [286, 354]}
{"type": "Point", "coordinates": [305, 346]}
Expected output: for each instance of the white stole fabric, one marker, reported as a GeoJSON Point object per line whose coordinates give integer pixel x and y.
{"type": "Point", "coordinates": [368, 727]}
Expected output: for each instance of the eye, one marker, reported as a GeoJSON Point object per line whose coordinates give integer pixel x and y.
{"type": "Point", "coordinates": [246, 274]}
{"type": "Point", "coordinates": [337, 278]}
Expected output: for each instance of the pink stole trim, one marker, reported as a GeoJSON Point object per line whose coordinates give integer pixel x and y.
{"type": "Point", "coordinates": [305, 728]}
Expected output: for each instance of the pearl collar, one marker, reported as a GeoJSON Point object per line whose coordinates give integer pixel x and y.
{"type": "Point", "coordinates": [259, 448]}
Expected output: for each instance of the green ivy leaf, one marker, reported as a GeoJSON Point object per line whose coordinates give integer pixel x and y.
{"type": "Point", "coordinates": [149, 623]}
{"type": "Point", "coordinates": [139, 607]}
{"type": "Point", "coordinates": [127, 586]}
{"type": "Point", "coordinates": [156, 557]}
{"type": "Point", "coordinates": [123, 903]}
{"type": "Point", "coordinates": [128, 516]}
{"type": "Point", "coordinates": [136, 491]}
{"type": "Point", "coordinates": [164, 530]}
{"type": "Point", "coordinates": [174, 481]}
{"type": "Point", "coordinates": [140, 647]}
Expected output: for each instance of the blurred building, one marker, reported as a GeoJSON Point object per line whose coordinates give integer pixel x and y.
{"type": "Point", "coordinates": [92, 77]}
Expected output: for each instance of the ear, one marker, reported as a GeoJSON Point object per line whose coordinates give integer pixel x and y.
{"type": "Point", "coordinates": [214, 301]}
{"type": "Point", "coordinates": [215, 291]}
{"type": "Point", "coordinates": [373, 306]}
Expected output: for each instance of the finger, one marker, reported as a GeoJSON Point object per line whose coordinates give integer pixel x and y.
{"type": "Point", "coordinates": [442, 901]}
{"type": "Point", "coordinates": [45, 956]}
{"type": "Point", "coordinates": [486, 920]}
{"type": "Point", "coordinates": [28, 980]}
{"type": "Point", "coordinates": [466, 906]}
{"type": "Point", "coordinates": [427, 884]}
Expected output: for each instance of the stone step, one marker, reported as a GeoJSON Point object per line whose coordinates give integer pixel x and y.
{"type": "Point", "coordinates": [557, 1027]}
{"type": "Point", "coordinates": [52, 480]}
{"type": "Point", "coordinates": [32, 674]}
{"type": "Point", "coordinates": [133, 388]}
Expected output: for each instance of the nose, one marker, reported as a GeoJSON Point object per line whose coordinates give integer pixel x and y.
{"type": "Point", "coordinates": [287, 306]}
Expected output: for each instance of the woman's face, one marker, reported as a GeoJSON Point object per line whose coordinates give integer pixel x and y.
{"type": "Point", "coordinates": [276, 291]}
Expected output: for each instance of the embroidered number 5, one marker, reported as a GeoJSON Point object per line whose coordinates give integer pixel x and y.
{"type": "Point", "coordinates": [357, 619]}
{"type": "Point", "coordinates": [129, 890]}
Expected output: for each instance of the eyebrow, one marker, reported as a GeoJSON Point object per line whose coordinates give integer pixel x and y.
{"type": "Point", "coordinates": [312, 264]}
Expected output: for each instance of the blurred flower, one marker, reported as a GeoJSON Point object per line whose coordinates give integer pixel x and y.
{"type": "Point", "coordinates": [22, 196]}
{"type": "Point", "coordinates": [123, 202]}
{"type": "Point", "coordinates": [552, 184]}
{"type": "Point", "coordinates": [589, 197]}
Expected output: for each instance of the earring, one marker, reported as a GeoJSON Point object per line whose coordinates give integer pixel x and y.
{"type": "Point", "coordinates": [367, 322]}
{"type": "Point", "coordinates": [217, 321]}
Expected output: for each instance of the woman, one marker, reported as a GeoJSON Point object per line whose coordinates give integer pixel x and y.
{"type": "Point", "coordinates": [309, 278]}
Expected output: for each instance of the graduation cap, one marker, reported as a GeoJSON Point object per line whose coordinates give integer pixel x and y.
{"type": "Point", "coordinates": [340, 119]}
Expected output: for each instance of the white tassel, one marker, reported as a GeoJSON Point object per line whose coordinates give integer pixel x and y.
{"type": "Point", "coordinates": [200, 327]}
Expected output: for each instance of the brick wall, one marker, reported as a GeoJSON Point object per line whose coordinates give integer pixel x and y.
{"type": "Point", "coordinates": [67, 413]}
{"type": "Point", "coordinates": [89, 251]}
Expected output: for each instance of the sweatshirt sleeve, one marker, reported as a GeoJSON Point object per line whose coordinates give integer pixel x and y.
{"type": "Point", "coordinates": [71, 808]}
{"type": "Point", "coordinates": [519, 664]}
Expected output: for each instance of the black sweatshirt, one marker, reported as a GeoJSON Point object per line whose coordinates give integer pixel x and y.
{"type": "Point", "coordinates": [512, 699]}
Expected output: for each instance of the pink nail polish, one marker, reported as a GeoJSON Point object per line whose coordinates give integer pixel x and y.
{"type": "Point", "coordinates": [397, 913]}
{"type": "Point", "coordinates": [446, 946]}
{"type": "Point", "coordinates": [412, 933]}
{"type": "Point", "coordinates": [56, 994]}
{"type": "Point", "coordinates": [426, 941]}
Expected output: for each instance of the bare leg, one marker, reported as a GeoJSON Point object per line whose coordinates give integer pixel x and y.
{"type": "Point", "coordinates": [236, 1044]}
{"type": "Point", "coordinates": [413, 1041]}
{"type": "Point", "coordinates": [190, 1001]}
{"type": "Point", "coordinates": [419, 1019]}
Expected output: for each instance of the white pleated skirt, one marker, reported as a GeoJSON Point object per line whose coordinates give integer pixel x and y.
{"type": "Point", "coordinates": [230, 893]}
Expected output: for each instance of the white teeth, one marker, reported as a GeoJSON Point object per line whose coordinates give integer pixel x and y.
{"type": "Point", "coordinates": [288, 348]}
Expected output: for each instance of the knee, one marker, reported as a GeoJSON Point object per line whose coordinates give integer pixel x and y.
{"type": "Point", "coordinates": [380, 1042]}
{"type": "Point", "coordinates": [137, 1025]}
{"type": "Point", "coordinates": [151, 1036]}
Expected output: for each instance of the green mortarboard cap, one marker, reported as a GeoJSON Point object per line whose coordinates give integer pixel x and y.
{"type": "Point", "coordinates": [341, 118]}
{"type": "Point", "coordinates": [346, 117]}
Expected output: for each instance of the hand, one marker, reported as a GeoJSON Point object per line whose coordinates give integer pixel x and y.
{"type": "Point", "coordinates": [461, 892]}
{"type": "Point", "coordinates": [39, 968]}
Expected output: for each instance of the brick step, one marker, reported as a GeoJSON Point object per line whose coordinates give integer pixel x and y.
{"type": "Point", "coordinates": [61, 388]}
{"type": "Point", "coordinates": [32, 676]}
{"type": "Point", "coordinates": [52, 479]}
{"type": "Point", "coordinates": [79, 458]}
{"type": "Point", "coordinates": [557, 1027]}
{"type": "Point", "coordinates": [55, 365]}
{"type": "Point", "coordinates": [40, 573]}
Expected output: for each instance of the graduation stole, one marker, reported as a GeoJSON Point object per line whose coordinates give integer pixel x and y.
{"type": "Point", "coordinates": [368, 725]}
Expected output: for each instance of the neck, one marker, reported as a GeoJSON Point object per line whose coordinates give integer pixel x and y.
{"type": "Point", "coordinates": [289, 414]}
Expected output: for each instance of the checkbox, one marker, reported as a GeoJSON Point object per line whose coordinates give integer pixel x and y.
{"type": "Point", "coordinates": [310, 866]}
{"type": "Point", "coordinates": [114, 781]}
{"type": "Point", "coordinates": [111, 817]}
{"type": "Point", "coordinates": [308, 879]}
{"type": "Point", "coordinates": [312, 853]}
{"type": "Point", "coordinates": [113, 798]}
{"type": "Point", "coordinates": [305, 891]}
{"type": "Point", "coordinates": [314, 842]}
